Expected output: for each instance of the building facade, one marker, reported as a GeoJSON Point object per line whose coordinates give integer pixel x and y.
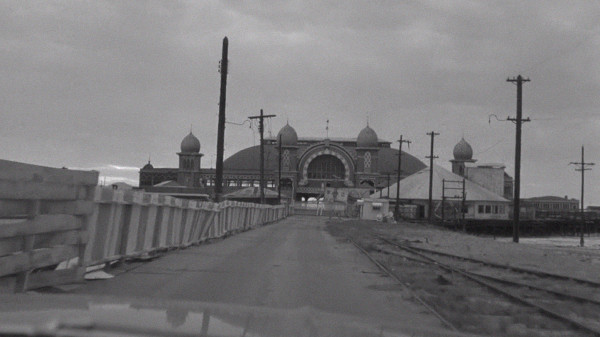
{"type": "Point", "coordinates": [491, 176]}
{"type": "Point", "coordinates": [308, 164]}
{"type": "Point", "coordinates": [475, 191]}
{"type": "Point", "coordinates": [552, 203]}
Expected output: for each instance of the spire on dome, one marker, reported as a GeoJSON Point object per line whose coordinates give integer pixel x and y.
{"type": "Point", "coordinates": [148, 166]}
{"type": "Point", "coordinates": [463, 151]}
{"type": "Point", "coordinates": [190, 144]}
{"type": "Point", "coordinates": [288, 135]}
{"type": "Point", "coordinates": [367, 138]}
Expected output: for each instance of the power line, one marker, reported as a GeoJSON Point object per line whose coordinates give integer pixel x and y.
{"type": "Point", "coordinates": [491, 147]}
{"type": "Point", "coordinates": [242, 123]}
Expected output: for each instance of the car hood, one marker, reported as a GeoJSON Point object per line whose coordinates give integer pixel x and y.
{"type": "Point", "coordinates": [74, 315]}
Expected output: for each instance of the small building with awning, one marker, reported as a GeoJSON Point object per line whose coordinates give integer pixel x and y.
{"type": "Point", "coordinates": [479, 202]}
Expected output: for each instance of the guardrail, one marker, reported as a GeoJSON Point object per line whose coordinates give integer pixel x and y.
{"type": "Point", "coordinates": [133, 223]}
{"type": "Point", "coordinates": [49, 216]}
{"type": "Point", "coordinates": [43, 219]}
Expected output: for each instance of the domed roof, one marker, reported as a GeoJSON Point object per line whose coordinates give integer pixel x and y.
{"type": "Point", "coordinates": [148, 166]}
{"type": "Point", "coordinates": [249, 159]}
{"type": "Point", "coordinates": [463, 151]}
{"type": "Point", "coordinates": [190, 144]}
{"type": "Point", "coordinates": [288, 135]}
{"type": "Point", "coordinates": [367, 138]}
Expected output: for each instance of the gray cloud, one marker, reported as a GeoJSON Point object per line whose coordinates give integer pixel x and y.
{"type": "Point", "coordinates": [90, 83]}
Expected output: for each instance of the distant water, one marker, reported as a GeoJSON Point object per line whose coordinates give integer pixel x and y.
{"type": "Point", "coordinates": [591, 242]}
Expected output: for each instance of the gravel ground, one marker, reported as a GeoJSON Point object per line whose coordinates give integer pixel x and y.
{"type": "Point", "coordinates": [470, 307]}
{"type": "Point", "coordinates": [569, 261]}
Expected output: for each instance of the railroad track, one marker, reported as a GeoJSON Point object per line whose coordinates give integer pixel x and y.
{"type": "Point", "coordinates": [566, 299]}
{"type": "Point", "coordinates": [583, 286]}
{"type": "Point", "coordinates": [497, 265]}
{"type": "Point", "coordinates": [391, 274]}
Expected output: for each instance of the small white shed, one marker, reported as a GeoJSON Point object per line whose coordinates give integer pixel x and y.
{"type": "Point", "coordinates": [371, 208]}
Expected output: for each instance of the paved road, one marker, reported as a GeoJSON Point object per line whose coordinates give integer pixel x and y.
{"type": "Point", "coordinates": [290, 264]}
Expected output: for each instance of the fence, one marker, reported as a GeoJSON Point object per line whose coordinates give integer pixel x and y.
{"type": "Point", "coordinates": [42, 222]}
{"type": "Point", "coordinates": [49, 215]}
{"type": "Point", "coordinates": [130, 223]}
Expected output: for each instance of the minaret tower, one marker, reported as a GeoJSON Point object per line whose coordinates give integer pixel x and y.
{"type": "Point", "coordinates": [189, 162]}
{"type": "Point", "coordinates": [463, 153]}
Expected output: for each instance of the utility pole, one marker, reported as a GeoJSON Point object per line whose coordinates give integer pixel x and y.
{"type": "Point", "coordinates": [583, 168]}
{"type": "Point", "coordinates": [388, 185]}
{"type": "Point", "coordinates": [431, 157]}
{"type": "Point", "coordinates": [462, 206]}
{"type": "Point", "coordinates": [516, 200]}
{"type": "Point", "coordinates": [443, 200]}
{"type": "Point", "coordinates": [399, 171]}
{"type": "Point", "coordinates": [279, 174]}
{"type": "Point", "coordinates": [261, 129]}
{"type": "Point", "coordinates": [221, 125]}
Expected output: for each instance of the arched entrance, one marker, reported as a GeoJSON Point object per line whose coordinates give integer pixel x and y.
{"type": "Point", "coordinates": [326, 171]}
{"type": "Point", "coordinates": [326, 167]}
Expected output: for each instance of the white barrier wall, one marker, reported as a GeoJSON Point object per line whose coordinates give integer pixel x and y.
{"type": "Point", "coordinates": [131, 223]}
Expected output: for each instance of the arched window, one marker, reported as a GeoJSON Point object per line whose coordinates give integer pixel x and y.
{"type": "Point", "coordinates": [367, 161]}
{"type": "Point", "coordinates": [285, 159]}
{"type": "Point", "coordinates": [326, 167]}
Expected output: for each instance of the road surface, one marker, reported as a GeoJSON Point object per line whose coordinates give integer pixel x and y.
{"type": "Point", "coordinates": [290, 264]}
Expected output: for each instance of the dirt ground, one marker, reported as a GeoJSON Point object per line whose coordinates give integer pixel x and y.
{"type": "Point", "coordinates": [469, 307]}
{"type": "Point", "coordinates": [570, 261]}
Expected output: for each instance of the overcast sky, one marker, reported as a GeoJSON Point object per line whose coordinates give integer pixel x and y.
{"type": "Point", "coordinates": [104, 85]}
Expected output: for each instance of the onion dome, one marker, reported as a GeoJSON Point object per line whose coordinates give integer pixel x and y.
{"type": "Point", "coordinates": [367, 138]}
{"type": "Point", "coordinates": [463, 151]}
{"type": "Point", "coordinates": [190, 144]}
{"type": "Point", "coordinates": [148, 166]}
{"type": "Point", "coordinates": [288, 135]}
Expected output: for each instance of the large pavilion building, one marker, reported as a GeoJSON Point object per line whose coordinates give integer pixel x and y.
{"type": "Point", "coordinates": [488, 189]}
{"type": "Point", "coordinates": [362, 165]}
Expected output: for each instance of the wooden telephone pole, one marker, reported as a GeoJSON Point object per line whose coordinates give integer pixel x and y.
{"type": "Point", "coordinates": [221, 125]}
{"type": "Point", "coordinates": [261, 129]}
{"type": "Point", "coordinates": [279, 172]}
{"type": "Point", "coordinates": [431, 157]}
{"type": "Point", "coordinates": [583, 167]}
{"type": "Point", "coordinates": [516, 200]}
{"type": "Point", "coordinates": [399, 171]}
